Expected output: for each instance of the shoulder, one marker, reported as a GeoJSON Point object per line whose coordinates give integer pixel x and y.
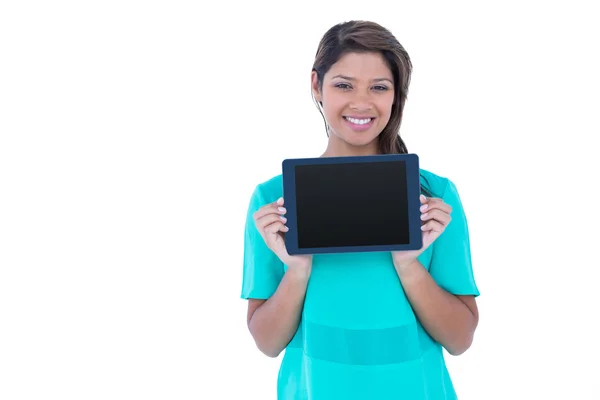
{"type": "Point", "coordinates": [268, 191]}
{"type": "Point", "coordinates": [435, 183]}
{"type": "Point", "coordinates": [442, 187]}
{"type": "Point", "coordinates": [271, 189]}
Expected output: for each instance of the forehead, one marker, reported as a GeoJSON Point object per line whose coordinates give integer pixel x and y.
{"type": "Point", "coordinates": [361, 66]}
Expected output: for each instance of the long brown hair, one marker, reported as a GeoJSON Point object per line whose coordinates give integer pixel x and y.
{"type": "Point", "coordinates": [367, 36]}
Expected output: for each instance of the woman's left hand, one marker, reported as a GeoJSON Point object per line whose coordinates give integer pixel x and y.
{"type": "Point", "coordinates": [435, 217]}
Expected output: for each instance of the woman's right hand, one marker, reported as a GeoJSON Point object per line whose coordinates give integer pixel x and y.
{"type": "Point", "coordinates": [270, 222]}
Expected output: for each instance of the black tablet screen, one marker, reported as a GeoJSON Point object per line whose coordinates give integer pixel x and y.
{"type": "Point", "coordinates": [352, 204]}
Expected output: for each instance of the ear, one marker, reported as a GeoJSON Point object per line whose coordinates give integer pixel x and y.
{"type": "Point", "coordinates": [314, 84]}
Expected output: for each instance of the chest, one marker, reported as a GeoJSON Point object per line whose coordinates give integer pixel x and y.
{"type": "Point", "coordinates": [357, 291]}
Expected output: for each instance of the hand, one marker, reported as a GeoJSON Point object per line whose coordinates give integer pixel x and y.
{"type": "Point", "coordinates": [435, 217]}
{"type": "Point", "coordinates": [270, 222]}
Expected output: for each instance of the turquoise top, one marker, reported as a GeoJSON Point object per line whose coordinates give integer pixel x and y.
{"type": "Point", "coordinates": [358, 337]}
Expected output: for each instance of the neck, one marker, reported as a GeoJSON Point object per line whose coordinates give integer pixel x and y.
{"type": "Point", "coordinates": [338, 148]}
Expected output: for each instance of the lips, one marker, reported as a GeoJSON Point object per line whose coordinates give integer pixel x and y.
{"type": "Point", "coordinates": [359, 123]}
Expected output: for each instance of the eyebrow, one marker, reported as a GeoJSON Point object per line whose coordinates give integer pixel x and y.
{"type": "Point", "coordinates": [353, 79]}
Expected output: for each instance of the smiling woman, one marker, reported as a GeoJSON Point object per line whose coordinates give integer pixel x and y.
{"type": "Point", "coordinates": [369, 325]}
{"type": "Point", "coordinates": [356, 95]}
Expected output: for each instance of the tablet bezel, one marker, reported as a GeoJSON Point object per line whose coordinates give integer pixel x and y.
{"type": "Point", "coordinates": [413, 192]}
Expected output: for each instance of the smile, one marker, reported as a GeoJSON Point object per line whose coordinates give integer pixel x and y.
{"type": "Point", "coordinates": [359, 124]}
{"type": "Point", "coordinates": [357, 121]}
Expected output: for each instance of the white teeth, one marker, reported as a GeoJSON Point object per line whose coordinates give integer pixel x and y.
{"type": "Point", "coordinates": [359, 121]}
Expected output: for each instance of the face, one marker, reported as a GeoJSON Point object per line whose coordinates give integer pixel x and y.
{"type": "Point", "coordinates": [357, 97]}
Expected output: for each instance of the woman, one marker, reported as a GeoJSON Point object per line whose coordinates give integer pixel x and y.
{"type": "Point", "coordinates": [364, 325]}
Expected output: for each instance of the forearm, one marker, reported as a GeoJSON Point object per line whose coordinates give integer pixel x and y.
{"type": "Point", "coordinates": [275, 322]}
{"type": "Point", "coordinates": [446, 318]}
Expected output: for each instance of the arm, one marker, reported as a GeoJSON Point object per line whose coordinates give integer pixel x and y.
{"type": "Point", "coordinates": [450, 320]}
{"type": "Point", "coordinates": [274, 322]}
{"type": "Point", "coordinates": [442, 295]}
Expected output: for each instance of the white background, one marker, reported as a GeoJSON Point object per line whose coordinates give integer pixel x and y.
{"type": "Point", "coordinates": [132, 135]}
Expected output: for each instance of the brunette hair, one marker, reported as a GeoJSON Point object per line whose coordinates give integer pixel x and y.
{"type": "Point", "coordinates": [367, 37]}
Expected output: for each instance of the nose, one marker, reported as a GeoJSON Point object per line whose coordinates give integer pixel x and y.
{"type": "Point", "coordinates": [361, 101]}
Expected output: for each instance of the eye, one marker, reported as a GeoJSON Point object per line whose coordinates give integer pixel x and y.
{"type": "Point", "coordinates": [380, 88]}
{"type": "Point", "coordinates": [343, 86]}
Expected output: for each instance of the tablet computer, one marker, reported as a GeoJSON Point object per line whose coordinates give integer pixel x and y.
{"type": "Point", "coordinates": [352, 204]}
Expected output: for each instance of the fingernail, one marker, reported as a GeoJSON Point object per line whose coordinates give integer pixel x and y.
{"type": "Point", "coordinates": [424, 207]}
{"type": "Point", "coordinates": [283, 218]}
{"type": "Point", "coordinates": [280, 200]}
{"type": "Point", "coordinates": [423, 216]}
{"type": "Point", "coordinates": [281, 209]}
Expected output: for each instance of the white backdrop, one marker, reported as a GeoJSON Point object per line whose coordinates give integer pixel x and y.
{"type": "Point", "coordinates": [132, 135]}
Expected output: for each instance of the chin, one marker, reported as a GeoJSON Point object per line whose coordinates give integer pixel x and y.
{"type": "Point", "coordinates": [360, 143]}
{"type": "Point", "coordinates": [355, 139]}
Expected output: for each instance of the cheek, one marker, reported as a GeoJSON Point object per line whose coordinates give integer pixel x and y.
{"type": "Point", "coordinates": [332, 109]}
{"type": "Point", "coordinates": [385, 107]}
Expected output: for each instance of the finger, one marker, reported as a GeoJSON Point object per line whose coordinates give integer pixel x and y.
{"type": "Point", "coordinates": [272, 208]}
{"type": "Point", "coordinates": [275, 227]}
{"type": "Point", "coordinates": [432, 225]}
{"type": "Point", "coordinates": [441, 205]}
{"type": "Point", "coordinates": [438, 215]}
{"type": "Point", "coordinates": [269, 219]}
{"type": "Point", "coordinates": [426, 200]}
{"type": "Point", "coordinates": [436, 203]}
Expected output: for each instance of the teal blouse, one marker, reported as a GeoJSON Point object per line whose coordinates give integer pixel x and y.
{"type": "Point", "coordinates": [358, 337]}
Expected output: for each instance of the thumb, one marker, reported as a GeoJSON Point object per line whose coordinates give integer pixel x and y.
{"type": "Point", "coordinates": [279, 245]}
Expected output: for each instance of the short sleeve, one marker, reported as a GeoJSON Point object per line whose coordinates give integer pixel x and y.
{"type": "Point", "coordinates": [262, 269]}
{"type": "Point", "coordinates": [451, 266]}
